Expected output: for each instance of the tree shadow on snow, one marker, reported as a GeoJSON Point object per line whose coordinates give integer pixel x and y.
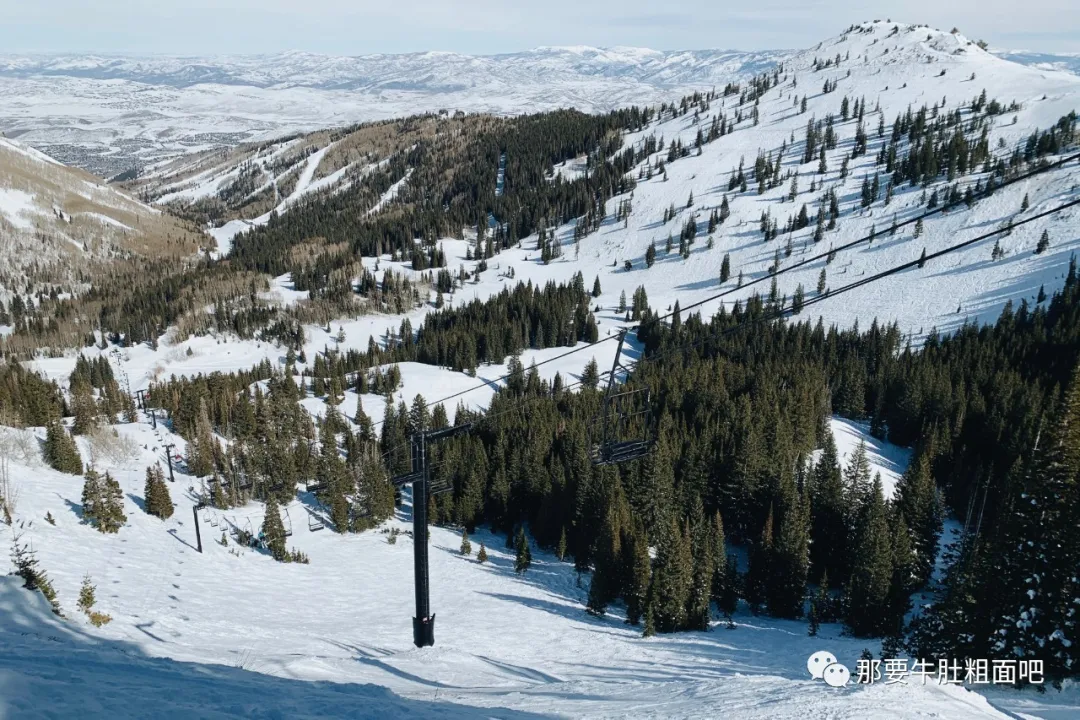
{"type": "Point", "coordinates": [74, 507]}
{"type": "Point", "coordinates": [139, 502]}
{"type": "Point", "coordinates": [117, 679]}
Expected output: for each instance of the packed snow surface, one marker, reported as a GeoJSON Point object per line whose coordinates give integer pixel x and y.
{"type": "Point", "coordinates": [231, 632]}
{"type": "Point", "coordinates": [18, 208]}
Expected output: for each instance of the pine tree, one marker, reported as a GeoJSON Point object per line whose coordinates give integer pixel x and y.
{"type": "Point", "coordinates": [560, 550]}
{"type": "Point", "coordinates": [996, 254]}
{"type": "Point", "coordinates": [904, 579]}
{"type": "Point", "coordinates": [640, 576]}
{"type": "Point", "coordinates": [109, 513]}
{"type": "Point", "coordinates": [87, 593]}
{"type": "Point", "coordinates": [1044, 243]}
{"type": "Point", "coordinates": [61, 452]}
{"type": "Point", "coordinates": [590, 376]}
{"type": "Point", "coordinates": [92, 497]}
{"type": "Point", "coordinates": [918, 228]}
{"type": "Point", "coordinates": [760, 571]}
{"type": "Point", "coordinates": [791, 557]}
{"type": "Point", "coordinates": [720, 590]}
{"type": "Point", "coordinates": [857, 481]}
{"type": "Point", "coordinates": [1025, 203]}
{"type": "Point", "coordinates": [622, 302]}
{"type": "Point", "coordinates": [524, 555]}
{"type": "Point", "coordinates": [84, 408]}
{"type": "Point", "coordinates": [651, 496]}
{"type": "Point", "coordinates": [829, 514]}
{"type": "Point", "coordinates": [156, 496]}
{"type": "Point", "coordinates": [466, 546]}
{"type": "Point", "coordinates": [698, 606]}
{"type": "Point", "coordinates": [823, 602]}
{"type": "Point", "coordinates": [339, 505]}
{"type": "Point", "coordinates": [871, 577]}
{"type": "Point", "coordinates": [821, 282]}
{"type": "Point", "coordinates": [200, 450]}
{"type": "Point", "coordinates": [597, 602]}
{"type": "Point", "coordinates": [650, 255]}
{"type": "Point", "coordinates": [650, 615]}
{"type": "Point", "coordinates": [919, 502]}
{"type": "Point", "coordinates": [33, 577]}
{"type": "Point", "coordinates": [1042, 544]}
{"type": "Point", "coordinates": [725, 269]}
{"type": "Point", "coordinates": [273, 532]}
{"type": "Point", "coordinates": [672, 578]}
{"type": "Point", "coordinates": [482, 556]}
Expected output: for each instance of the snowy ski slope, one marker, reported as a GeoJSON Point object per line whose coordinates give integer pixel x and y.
{"type": "Point", "coordinates": [231, 632]}
{"type": "Point", "coordinates": [242, 631]}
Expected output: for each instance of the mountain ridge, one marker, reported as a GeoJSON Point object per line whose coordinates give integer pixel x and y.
{"type": "Point", "coordinates": [295, 68]}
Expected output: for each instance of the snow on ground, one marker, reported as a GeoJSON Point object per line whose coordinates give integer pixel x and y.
{"type": "Point", "coordinates": [522, 646]}
{"type": "Point", "coordinates": [18, 207]}
{"type": "Point", "coordinates": [27, 151]}
{"type": "Point", "coordinates": [106, 219]}
{"type": "Point", "coordinates": [109, 114]}
{"type": "Point", "coordinates": [308, 173]}
{"type": "Point", "coordinates": [282, 292]}
{"type": "Point", "coordinates": [305, 185]}
{"type": "Point", "coordinates": [885, 458]}
{"type": "Point", "coordinates": [234, 633]}
{"type": "Point", "coordinates": [329, 181]}
{"type": "Point", "coordinates": [224, 235]}
{"type": "Point", "coordinates": [82, 675]}
{"type": "Point", "coordinates": [570, 170]}
{"type": "Point", "coordinates": [897, 70]}
{"type": "Point", "coordinates": [390, 193]}
{"type": "Point", "coordinates": [895, 66]}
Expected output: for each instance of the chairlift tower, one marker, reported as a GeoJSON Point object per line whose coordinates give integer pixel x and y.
{"type": "Point", "coordinates": [420, 479]}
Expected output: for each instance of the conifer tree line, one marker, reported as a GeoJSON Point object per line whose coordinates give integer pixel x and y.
{"type": "Point", "coordinates": [450, 187]}
{"type": "Point", "coordinates": [739, 413]}
{"type": "Point", "coordinates": [990, 412]}
{"type": "Point", "coordinates": [481, 331]}
{"type": "Point", "coordinates": [531, 144]}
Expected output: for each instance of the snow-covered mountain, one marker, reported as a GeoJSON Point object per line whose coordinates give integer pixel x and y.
{"type": "Point", "coordinates": [508, 645]}
{"type": "Point", "coordinates": [894, 68]}
{"type": "Point", "coordinates": [61, 220]}
{"type": "Point", "coordinates": [107, 114]}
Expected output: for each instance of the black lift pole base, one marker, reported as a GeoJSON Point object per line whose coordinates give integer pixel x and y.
{"type": "Point", "coordinates": [423, 631]}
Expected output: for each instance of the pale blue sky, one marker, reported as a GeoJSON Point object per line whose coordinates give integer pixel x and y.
{"type": "Point", "coordinates": [354, 27]}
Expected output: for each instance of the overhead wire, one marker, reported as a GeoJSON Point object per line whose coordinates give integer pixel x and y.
{"type": "Point", "coordinates": [782, 312]}
{"type": "Point", "coordinates": [945, 207]}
